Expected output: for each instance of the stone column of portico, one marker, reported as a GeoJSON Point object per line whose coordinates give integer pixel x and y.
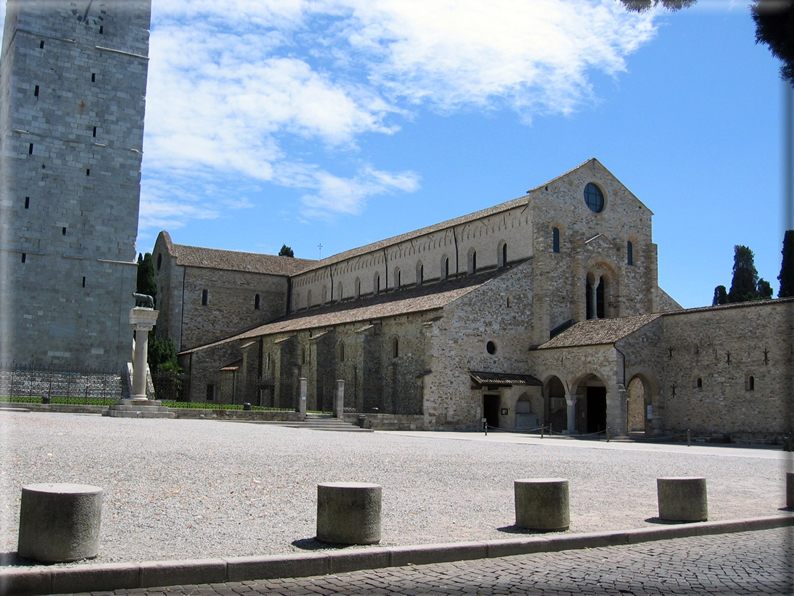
{"type": "Point", "coordinates": [339, 404]}
{"type": "Point", "coordinates": [593, 298]}
{"type": "Point", "coordinates": [570, 400]}
{"type": "Point", "coordinates": [142, 321]}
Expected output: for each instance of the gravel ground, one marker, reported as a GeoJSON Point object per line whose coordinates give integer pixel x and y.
{"type": "Point", "coordinates": [181, 489]}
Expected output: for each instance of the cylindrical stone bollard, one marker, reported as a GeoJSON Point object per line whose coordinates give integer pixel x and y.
{"type": "Point", "coordinates": [542, 504]}
{"type": "Point", "coordinates": [790, 490]}
{"type": "Point", "coordinates": [348, 512]}
{"type": "Point", "coordinates": [682, 499]}
{"type": "Point", "coordinates": [59, 523]}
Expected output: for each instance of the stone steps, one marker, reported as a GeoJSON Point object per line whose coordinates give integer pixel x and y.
{"type": "Point", "coordinates": [328, 423]}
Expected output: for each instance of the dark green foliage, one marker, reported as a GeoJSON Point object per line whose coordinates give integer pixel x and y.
{"type": "Point", "coordinates": [286, 251]}
{"type": "Point", "coordinates": [744, 286]}
{"type": "Point", "coordinates": [764, 290]}
{"type": "Point", "coordinates": [146, 283]}
{"type": "Point", "coordinates": [774, 26]}
{"type": "Point", "coordinates": [786, 277]}
{"type": "Point", "coordinates": [643, 5]}
{"type": "Point", "coordinates": [720, 296]}
{"type": "Point", "coordinates": [162, 354]}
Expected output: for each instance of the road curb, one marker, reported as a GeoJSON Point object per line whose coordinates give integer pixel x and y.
{"type": "Point", "coordinates": [42, 580]}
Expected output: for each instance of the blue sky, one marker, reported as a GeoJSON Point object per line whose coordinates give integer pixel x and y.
{"type": "Point", "coordinates": [342, 122]}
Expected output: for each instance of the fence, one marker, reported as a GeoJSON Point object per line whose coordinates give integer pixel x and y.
{"type": "Point", "coordinates": [29, 383]}
{"type": "Point", "coordinates": [171, 386]}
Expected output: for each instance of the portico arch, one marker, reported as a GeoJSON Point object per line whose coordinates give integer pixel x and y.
{"type": "Point", "coordinates": [591, 404]}
{"type": "Point", "coordinates": [554, 404]}
{"type": "Point", "coordinates": [641, 392]}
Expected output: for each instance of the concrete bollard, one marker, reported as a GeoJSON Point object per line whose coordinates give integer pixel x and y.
{"type": "Point", "coordinates": [348, 512]}
{"type": "Point", "coordinates": [682, 499]}
{"type": "Point", "coordinates": [790, 490]}
{"type": "Point", "coordinates": [59, 523]}
{"type": "Point", "coordinates": [542, 504]}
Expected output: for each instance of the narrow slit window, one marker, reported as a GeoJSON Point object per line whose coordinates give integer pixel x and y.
{"type": "Point", "coordinates": [629, 253]}
{"type": "Point", "coordinates": [24, 257]}
{"type": "Point", "coordinates": [63, 231]}
{"type": "Point", "coordinates": [95, 132]}
{"type": "Point", "coordinates": [205, 297]}
{"type": "Point", "coordinates": [88, 172]}
{"type": "Point", "coordinates": [30, 149]}
{"type": "Point", "coordinates": [41, 45]}
{"type": "Point", "coordinates": [257, 302]}
{"type": "Point", "coordinates": [27, 202]}
{"type": "Point", "coordinates": [93, 77]}
{"type": "Point", "coordinates": [555, 240]}
{"type": "Point", "coordinates": [36, 91]}
{"type": "Point", "coordinates": [101, 30]}
{"type": "Point", "coordinates": [84, 282]}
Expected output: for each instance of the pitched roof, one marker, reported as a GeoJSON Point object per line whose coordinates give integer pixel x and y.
{"type": "Point", "coordinates": [595, 332]}
{"type": "Point", "coordinates": [427, 297]}
{"type": "Point", "coordinates": [230, 260]}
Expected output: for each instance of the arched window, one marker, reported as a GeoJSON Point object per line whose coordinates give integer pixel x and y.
{"type": "Point", "coordinates": [397, 278]}
{"type": "Point", "coordinates": [341, 352]}
{"type": "Point", "coordinates": [309, 299]}
{"type": "Point", "coordinates": [357, 288]}
{"type": "Point", "coordinates": [445, 267]}
{"type": "Point", "coordinates": [339, 294]}
{"type": "Point", "coordinates": [555, 240]}
{"type": "Point", "coordinates": [324, 295]}
{"type": "Point", "coordinates": [205, 297]}
{"type": "Point", "coordinates": [501, 254]}
{"type": "Point", "coordinates": [420, 273]}
{"type": "Point", "coordinates": [629, 253]}
{"type": "Point", "coordinates": [472, 261]}
{"type": "Point", "coordinates": [257, 302]}
{"type": "Point", "coordinates": [750, 383]}
{"type": "Point", "coordinates": [699, 383]}
{"type": "Point", "coordinates": [395, 348]}
{"type": "Point", "coordinates": [376, 284]}
{"type": "Point", "coordinates": [596, 297]}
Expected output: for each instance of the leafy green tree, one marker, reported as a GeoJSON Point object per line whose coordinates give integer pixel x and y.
{"type": "Point", "coordinates": [162, 354]}
{"type": "Point", "coordinates": [744, 286]}
{"type": "Point", "coordinates": [146, 283]}
{"type": "Point", "coordinates": [774, 26]}
{"type": "Point", "coordinates": [285, 251]}
{"type": "Point", "coordinates": [720, 296]}
{"type": "Point", "coordinates": [786, 277]}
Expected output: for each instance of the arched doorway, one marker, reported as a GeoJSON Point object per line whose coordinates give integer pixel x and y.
{"type": "Point", "coordinates": [591, 405]}
{"type": "Point", "coordinates": [635, 406]}
{"type": "Point", "coordinates": [556, 412]}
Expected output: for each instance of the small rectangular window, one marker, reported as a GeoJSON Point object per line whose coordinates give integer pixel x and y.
{"type": "Point", "coordinates": [41, 45]}
{"type": "Point", "coordinates": [95, 132]}
{"type": "Point", "coordinates": [101, 30]}
{"type": "Point", "coordinates": [30, 149]}
{"type": "Point", "coordinates": [93, 77]}
{"type": "Point", "coordinates": [84, 282]}
{"type": "Point", "coordinates": [63, 231]}
{"type": "Point", "coordinates": [36, 91]}
{"type": "Point", "coordinates": [205, 297]}
{"type": "Point", "coordinates": [88, 172]}
{"type": "Point", "coordinates": [24, 257]}
{"type": "Point", "coordinates": [27, 202]}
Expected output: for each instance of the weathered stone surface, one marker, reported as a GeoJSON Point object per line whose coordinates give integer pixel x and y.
{"type": "Point", "coordinates": [59, 522]}
{"type": "Point", "coordinates": [542, 504]}
{"type": "Point", "coordinates": [348, 512]}
{"type": "Point", "coordinates": [682, 499]}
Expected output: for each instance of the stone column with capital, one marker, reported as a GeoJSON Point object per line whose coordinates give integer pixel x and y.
{"type": "Point", "coordinates": [339, 402]}
{"type": "Point", "coordinates": [570, 400]}
{"type": "Point", "coordinates": [303, 386]}
{"type": "Point", "coordinates": [142, 321]}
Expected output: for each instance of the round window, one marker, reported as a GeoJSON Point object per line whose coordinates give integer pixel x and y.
{"type": "Point", "coordinates": [491, 347]}
{"type": "Point", "coordinates": [594, 198]}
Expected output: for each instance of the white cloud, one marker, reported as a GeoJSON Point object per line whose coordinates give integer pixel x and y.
{"type": "Point", "coordinates": [235, 84]}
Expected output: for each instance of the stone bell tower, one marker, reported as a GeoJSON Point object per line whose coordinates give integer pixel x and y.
{"type": "Point", "coordinates": [72, 97]}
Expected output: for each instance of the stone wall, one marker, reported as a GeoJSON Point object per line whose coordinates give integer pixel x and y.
{"type": "Point", "coordinates": [742, 356]}
{"type": "Point", "coordinates": [71, 133]}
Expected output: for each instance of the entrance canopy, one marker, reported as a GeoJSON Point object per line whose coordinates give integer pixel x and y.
{"type": "Point", "coordinates": [494, 379]}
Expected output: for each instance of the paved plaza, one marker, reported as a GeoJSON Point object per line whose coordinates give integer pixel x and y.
{"type": "Point", "coordinates": [736, 564]}
{"type": "Point", "coordinates": [185, 489]}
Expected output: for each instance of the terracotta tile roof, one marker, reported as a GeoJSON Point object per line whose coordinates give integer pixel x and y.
{"type": "Point", "coordinates": [230, 260]}
{"type": "Point", "coordinates": [750, 304]}
{"type": "Point", "coordinates": [428, 297]}
{"type": "Point", "coordinates": [597, 332]}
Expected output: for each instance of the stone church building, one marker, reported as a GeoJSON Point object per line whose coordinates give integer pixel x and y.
{"type": "Point", "coordinates": [541, 310]}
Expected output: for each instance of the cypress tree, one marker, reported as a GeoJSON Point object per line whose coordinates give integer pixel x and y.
{"type": "Point", "coordinates": [786, 276]}
{"type": "Point", "coordinates": [720, 296]}
{"type": "Point", "coordinates": [744, 286]}
{"type": "Point", "coordinates": [146, 283]}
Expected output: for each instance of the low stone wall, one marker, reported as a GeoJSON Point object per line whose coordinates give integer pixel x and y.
{"type": "Point", "coordinates": [389, 421]}
{"type": "Point", "coordinates": [193, 413]}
